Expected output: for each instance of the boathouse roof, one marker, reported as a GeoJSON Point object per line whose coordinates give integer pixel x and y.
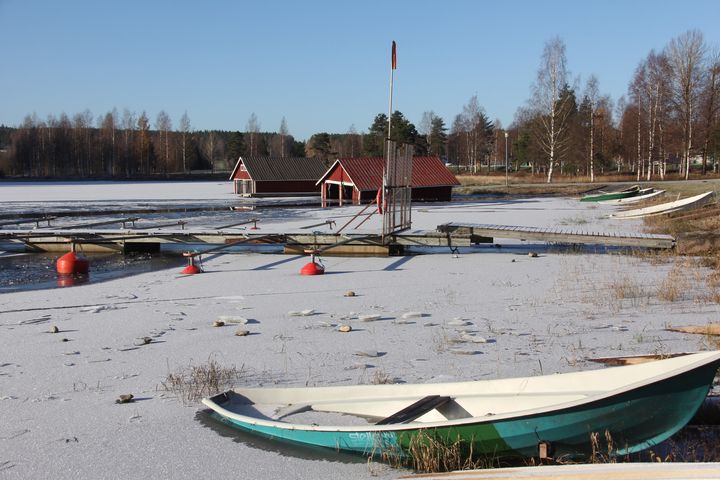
{"type": "Point", "coordinates": [366, 172]}
{"type": "Point", "coordinates": [263, 168]}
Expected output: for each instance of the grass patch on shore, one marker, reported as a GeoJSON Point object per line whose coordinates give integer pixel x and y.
{"type": "Point", "coordinates": [194, 382]}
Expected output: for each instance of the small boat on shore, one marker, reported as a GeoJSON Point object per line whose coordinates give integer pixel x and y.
{"type": "Point", "coordinates": [644, 194]}
{"type": "Point", "coordinates": [603, 196]}
{"type": "Point", "coordinates": [638, 406]}
{"type": "Point", "coordinates": [682, 204]}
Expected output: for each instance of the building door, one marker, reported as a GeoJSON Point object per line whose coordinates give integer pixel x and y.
{"type": "Point", "coordinates": [246, 187]}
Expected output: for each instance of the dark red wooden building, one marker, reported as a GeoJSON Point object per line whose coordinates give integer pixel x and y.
{"type": "Point", "coordinates": [271, 176]}
{"type": "Point", "coordinates": [357, 180]}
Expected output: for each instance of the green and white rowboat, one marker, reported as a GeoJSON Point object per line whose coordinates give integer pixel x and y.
{"type": "Point", "coordinates": [638, 405]}
{"type": "Point", "coordinates": [603, 196]}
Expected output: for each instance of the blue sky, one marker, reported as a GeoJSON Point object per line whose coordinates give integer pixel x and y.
{"type": "Point", "coordinates": [324, 65]}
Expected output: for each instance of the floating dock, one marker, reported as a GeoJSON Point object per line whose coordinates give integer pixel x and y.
{"type": "Point", "coordinates": [450, 235]}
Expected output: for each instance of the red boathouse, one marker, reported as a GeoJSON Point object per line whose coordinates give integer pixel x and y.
{"type": "Point", "coordinates": [276, 176]}
{"type": "Point", "coordinates": [357, 180]}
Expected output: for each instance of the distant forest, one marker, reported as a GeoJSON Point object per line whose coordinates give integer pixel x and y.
{"type": "Point", "coordinates": [668, 122]}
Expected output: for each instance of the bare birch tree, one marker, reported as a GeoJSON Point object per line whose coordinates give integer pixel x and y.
{"type": "Point", "coordinates": [592, 94]}
{"type": "Point", "coordinates": [425, 126]}
{"type": "Point", "coordinates": [253, 128]}
{"type": "Point", "coordinates": [108, 126]}
{"type": "Point", "coordinates": [210, 147]}
{"type": "Point", "coordinates": [283, 136]}
{"type": "Point", "coordinates": [354, 143]}
{"type": "Point", "coordinates": [164, 125]}
{"type": "Point", "coordinates": [143, 125]}
{"type": "Point", "coordinates": [184, 131]}
{"type": "Point", "coordinates": [128, 125]}
{"type": "Point", "coordinates": [685, 55]}
{"type": "Point", "coordinates": [710, 103]}
{"type": "Point", "coordinates": [548, 102]}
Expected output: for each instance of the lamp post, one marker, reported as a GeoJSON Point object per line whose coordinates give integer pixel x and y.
{"type": "Point", "coordinates": [507, 183]}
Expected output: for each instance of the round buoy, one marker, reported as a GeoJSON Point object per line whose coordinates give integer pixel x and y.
{"type": "Point", "coordinates": [312, 268]}
{"type": "Point", "coordinates": [71, 263]}
{"type": "Point", "coordinates": [191, 269]}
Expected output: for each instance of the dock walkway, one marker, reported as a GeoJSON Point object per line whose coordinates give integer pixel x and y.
{"type": "Point", "coordinates": [559, 235]}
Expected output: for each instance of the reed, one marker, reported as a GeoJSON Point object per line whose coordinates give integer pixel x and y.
{"type": "Point", "coordinates": [194, 382]}
{"type": "Point", "coordinates": [430, 453]}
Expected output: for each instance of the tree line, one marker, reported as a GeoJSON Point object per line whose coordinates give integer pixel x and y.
{"type": "Point", "coordinates": [667, 122]}
{"type": "Point", "coordinates": [130, 146]}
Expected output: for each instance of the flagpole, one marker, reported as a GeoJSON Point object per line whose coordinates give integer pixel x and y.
{"type": "Point", "coordinates": [392, 71]}
{"type": "Point", "coordinates": [393, 65]}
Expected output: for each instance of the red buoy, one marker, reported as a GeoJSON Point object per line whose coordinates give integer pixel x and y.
{"type": "Point", "coordinates": [312, 268]}
{"type": "Point", "coordinates": [71, 263]}
{"type": "Point", "coordinates": [191, 268]}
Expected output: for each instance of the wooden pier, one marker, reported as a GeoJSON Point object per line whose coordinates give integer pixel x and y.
{"type": "Point", "coordinates": [451, 235]}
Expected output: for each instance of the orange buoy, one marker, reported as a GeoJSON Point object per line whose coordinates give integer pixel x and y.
{"type": "Point", "coordinates": [71, 263]}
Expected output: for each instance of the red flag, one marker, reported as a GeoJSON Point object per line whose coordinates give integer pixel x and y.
{"type": "Point", "coordinates": [394, 56]}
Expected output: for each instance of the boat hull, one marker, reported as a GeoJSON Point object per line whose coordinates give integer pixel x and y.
{"type": "Point", "coordinates": [600, 197]}
{"type": "Point", "coordinates": [670, 207]}
{"type": "Point", "coordinates": [634, 420]}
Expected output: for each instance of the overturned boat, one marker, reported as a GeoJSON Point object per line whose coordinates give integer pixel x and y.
{"type": "Point", "coordinates": [669, 207]}
{"type": "Point", "coordinates": [602, 196]}
{"type": "Point", "coordinates": [637, 406]}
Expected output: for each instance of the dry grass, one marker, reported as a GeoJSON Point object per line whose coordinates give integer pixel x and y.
{"type": "Point", "coordinates": [194, 382]}
{"type": "Point", "coordinates": [653, 257]}
{"type": "Point", "coordinates": [380, 377]}
{"type": "Point", "coordinates": [625, 288]}
{"type": "Point", "coordinates": [527, 184]}
{"type": "Point", "coordinates": [430, 453]}
{"type": "Point", "coordinates": [695, 443]}
{"type": "Point", "coordinates": [600, 453]}
{"type": "Point", "coordinates": [673, 285]}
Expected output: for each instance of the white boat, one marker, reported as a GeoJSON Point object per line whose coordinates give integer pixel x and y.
{"type": "Point", "coordinates": [683, 204]}
{"type": "Point", "coordinates": [650, 193]}
{"type": "Point", "coordinates": [639, 405]}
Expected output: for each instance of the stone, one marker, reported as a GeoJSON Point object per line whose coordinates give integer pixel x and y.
{"type": "Point", "coordinates": [218, 323]}
{"type": "Point", "coordinates": [349, 293]}
{"type": "Point", "coordinates": [54, 329]}
{"type": "Point", "coordinates": [532, 254]}
{"type": "Point", "coordinates": [125, 398]}
{"type": "Point", "coordinates": [344, 328]}
{"type": "Point", "coordinates": [242, 333]}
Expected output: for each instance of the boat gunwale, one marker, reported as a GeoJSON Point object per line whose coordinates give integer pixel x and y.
{"type": "Point", "coordinates": [706, 359]}
{"type": "Point", "coordinates": [626, 193]}
{"type": "Point", "coordinates": [630, 200]}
